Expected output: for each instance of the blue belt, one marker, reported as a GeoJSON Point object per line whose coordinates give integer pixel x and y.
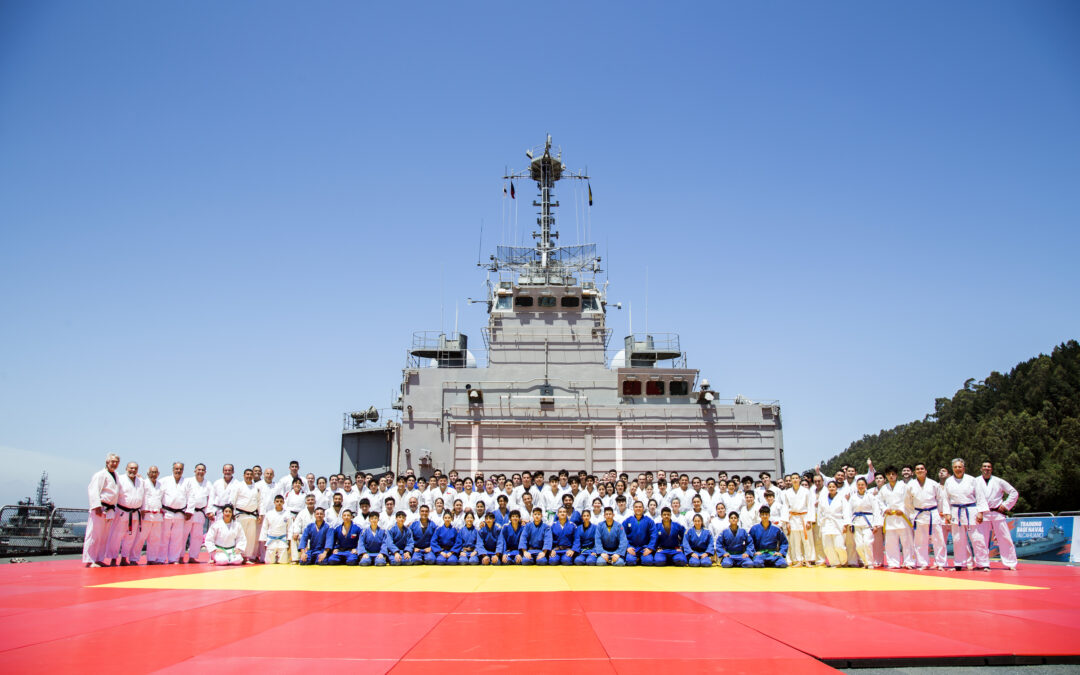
{"type": "Point", "coordinates": [931, 509]}
{"type": "Point", "coordinates": [276, 537]}
{"type": "Point", "coordinates": [865, 515]}
{"type": "Point", "coordinates": [965, 507]}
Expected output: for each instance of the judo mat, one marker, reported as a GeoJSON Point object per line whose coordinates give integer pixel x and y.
{"type": "Point", "coordinates": [63, 617]}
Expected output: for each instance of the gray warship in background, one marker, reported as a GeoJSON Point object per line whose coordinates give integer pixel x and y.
{"type": "Point", "coordinates": [547, 393]}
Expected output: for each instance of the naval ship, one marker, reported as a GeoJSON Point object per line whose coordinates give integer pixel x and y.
{"type": "Point", "coordinates": [548, 396]}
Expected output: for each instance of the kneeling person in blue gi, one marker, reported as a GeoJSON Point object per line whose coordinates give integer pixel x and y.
{"type": "Point", "coordinates": [770, 544]}
{"type": "Point", "coordinates": [639, 534]}
{"type": "Point", "coordinates": [400, 542]}
{"type": "Point", "coordinates": [343, 542]}
{"type": "Point", "coordinates": [469, 534]}
{"type": "Point", "coordinates": [536, 540]}
{"type": "Point", "coordinates": [734, 548]}
{"type": "Point", "coordinates": [446, 544]}
{"type": "Point", "coordinates": [565, 539]}
{"type": "Point", "coordinates": [313, 540]}
{"type": "Point", "coordinates": [373, 548]}
{"type": "Point", "coordinates": [610, 541]}
{"type": "Point", "coordinates": [489, 543]}
{"type": "Point", "coordinates": [423, 531]}
{"type": "Point", "coordinates": [667, 541]}
{"type": "Point", "coordinates": [587, 536]}
{"type": "Point", "coordinates": [698, 544]}
{"type": "Point", "coordinates": [512, 539]}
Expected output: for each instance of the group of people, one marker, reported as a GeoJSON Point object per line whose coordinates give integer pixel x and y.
{"type": "Point", "coordinates": [891, 519]}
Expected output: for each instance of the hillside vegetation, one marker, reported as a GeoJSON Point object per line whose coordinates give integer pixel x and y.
{"type": "Point", "coordinates": [1026, 421]}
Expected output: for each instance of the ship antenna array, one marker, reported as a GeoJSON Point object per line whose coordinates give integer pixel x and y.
{"type": "Point", "coordinates": [546, 170]}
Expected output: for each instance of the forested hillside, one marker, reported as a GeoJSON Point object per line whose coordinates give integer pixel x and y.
{"type": "Point", "coordinates": [1027, 422]}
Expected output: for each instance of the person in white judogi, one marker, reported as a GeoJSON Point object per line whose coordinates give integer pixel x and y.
{"type": "Point", "coordinates": [300, 521]}
{"type": "Point", "coordinates": [323, 495]}
{"type": "Point", "coordinates": [225, 540]}
{"type": "Point", "coordinates": [224, 491]}
{"type": "Point", "coordinates": [333, 514]}
{"type": "Point", "coordinates": [102, 494]}
{"type": "Point", "coordinates": [1000, 498]}
{"type": "Point", "coordinates": [800, 504]}
{"type": "Point", "coordinates": [198, 503]}
{"type": "Point", "coordinates": [157, 550]}
{"type": "Point", "coordinates": [173, 502]}
{"type": "Point", "coordinates": [931, 508]}
{"type": "Point", "coordinates": [833, 518]}
{"type": "Point", "coordinates": [129, 509]}
{"type": "Point", "coordinates": [732, 499]}
{"type": "Point", "coordinates": [865, 519]}
{"type": "Point", "coordinates": [277, 522]}
{"type": "Point", "coordinates": [968, 507]}
{"type": "Point", "coordinates": [897, 510]}
{"type": "Point", "coordinates": [550, 500]}
{"type": "Point", "coordinates": [247, 509]}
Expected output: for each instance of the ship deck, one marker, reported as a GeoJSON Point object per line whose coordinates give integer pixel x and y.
{"type": "Point", "coordinates": [282, 619]}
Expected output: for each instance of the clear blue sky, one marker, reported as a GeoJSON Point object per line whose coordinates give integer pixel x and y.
{"type": "Point", "coordinates": [221, 222]}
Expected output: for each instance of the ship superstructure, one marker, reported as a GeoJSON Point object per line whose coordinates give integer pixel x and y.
{"type": "Point", "coordinates": [547, 397]}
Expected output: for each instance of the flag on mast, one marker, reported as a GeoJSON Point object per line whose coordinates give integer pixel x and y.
{"type": "Point", "coordinates": [512, 193]}
{"type": "Point", "coordinates": [590, 194]}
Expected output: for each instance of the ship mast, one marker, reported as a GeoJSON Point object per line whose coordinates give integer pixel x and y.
{"type": "Point", "coordinates": [545, 169]}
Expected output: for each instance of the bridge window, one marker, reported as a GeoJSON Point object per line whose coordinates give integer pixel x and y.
{"type": "Point", "coordinates": [547, 301]}
{"type": "Point", "coordinates": [523, 301]}
{"type": "Point", "coordinates": [679, 388]}
{"type": "Point", "coordinates": [631, 388]}
{"type": "Point", "coordinates": [502, 302]}
{"type": "Point", "coordinates": [654, 388]}
{"type": "Point", "coordinates": [571, 301]}
{"type": "Point", "coordinates": [590, 304]}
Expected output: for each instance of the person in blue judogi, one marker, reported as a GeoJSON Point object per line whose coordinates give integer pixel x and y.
{"type": "Point", "coordinates": [734, 548]}
{"type": "Point", "coordinates": [373, 549]}
{"type": "Point", "coordinates": [536, 540]}
{"type": "Point", "coordinates": [502, 514]}
{"type": "Point", "coordinates": [565, 539]}
{"type": "Point", "coordinates": [399, 545]}
{"type": "Point", "coordinates": [571, 514]}
{"type": "Point", "coordinates": [423, 531]}
{"type": "Point", "coordinates": [446, 544]}
{"type": "Point", "coordinates": [667, 541]}
{"type": "Point", "coordinates": [313, 539]}
{"type": "Point", "coordinates": [639, 533]}
{"type": "Point", "coordinates": [469, 534]}
{"type": "Point", "coordinates": [512, 539]}
{"type": "Point", "coordinates": [770, 544]}
{"type": "Point", "coordinates": [489, 543]}
{"type": "Point", "coordinates": [698, 544]}
{"type": "Point", "coordinates": [610, 541]}
{"type": "Point", "coordinates": [587, 536]}
{"type": "Point", "coordinates": [343, 542]}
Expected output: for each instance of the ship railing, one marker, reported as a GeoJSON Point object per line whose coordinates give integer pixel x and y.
{"type": "Point", "coordinates": [1044, 514]}
{"type": "Point", "coordinates": [27, 528]}
{"type": "Point", "coordinates": [356, 420]}
{"type": "Point", "coordinates": [67, 529]}
{"type": "Point", "coordinates": [479, 359]}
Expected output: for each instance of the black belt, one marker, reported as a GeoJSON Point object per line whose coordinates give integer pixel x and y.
{"type": "Point", "coordinates": [246, 513]}
{"type": "Point", "coordinates": [108, 507]}
{"type": "Point", "coordinates": [129, 511]}
{"type": "Point", "coordinates": [171, 509]}
{"type": "Point", "coordinates": [200, 509]}
{"type": "Point", "coordinates": [295, 513]}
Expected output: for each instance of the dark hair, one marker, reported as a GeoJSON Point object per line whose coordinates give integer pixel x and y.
{"type": "Point", "coordinates": [764, 510]}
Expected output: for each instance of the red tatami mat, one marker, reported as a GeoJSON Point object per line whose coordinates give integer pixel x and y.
{"type": "Point", "coordinates": [55, 615]}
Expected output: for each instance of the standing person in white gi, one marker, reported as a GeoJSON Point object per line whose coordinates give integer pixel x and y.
{"type": "Point", "coordinates": [896, 509]}
{"type": "Point", "coordinates": [931, 511]}
{"type": "Point", "coordinates": [198, 493]}
{"type": "Point", "coordinates": [224, 492]}
{"type": "Point", "coordinates": [865, 518]}
{"type": "Point", "coordinates": [800, 515]}
{"type": "Point", "coordinates": [102, 494]}
{"type": "Point", "coordinates": [968, 507]}
{"type": "Point", "coordinates": [157, 552]}
{"type": "Point", "coordinates": [834, 518]}
{"type": "Point", "coordinates": [247, 507]}
{"type": "Point", "coordinates": [225, 540]}
{"type": "Point", "coordinates": [129, 510]}
{"type": "Point", "coordinates": [1000, 498]}
{"type": "Point", "coordinates": [277, 522]}
{"type": "Point", "coordinates": [174, 503]}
